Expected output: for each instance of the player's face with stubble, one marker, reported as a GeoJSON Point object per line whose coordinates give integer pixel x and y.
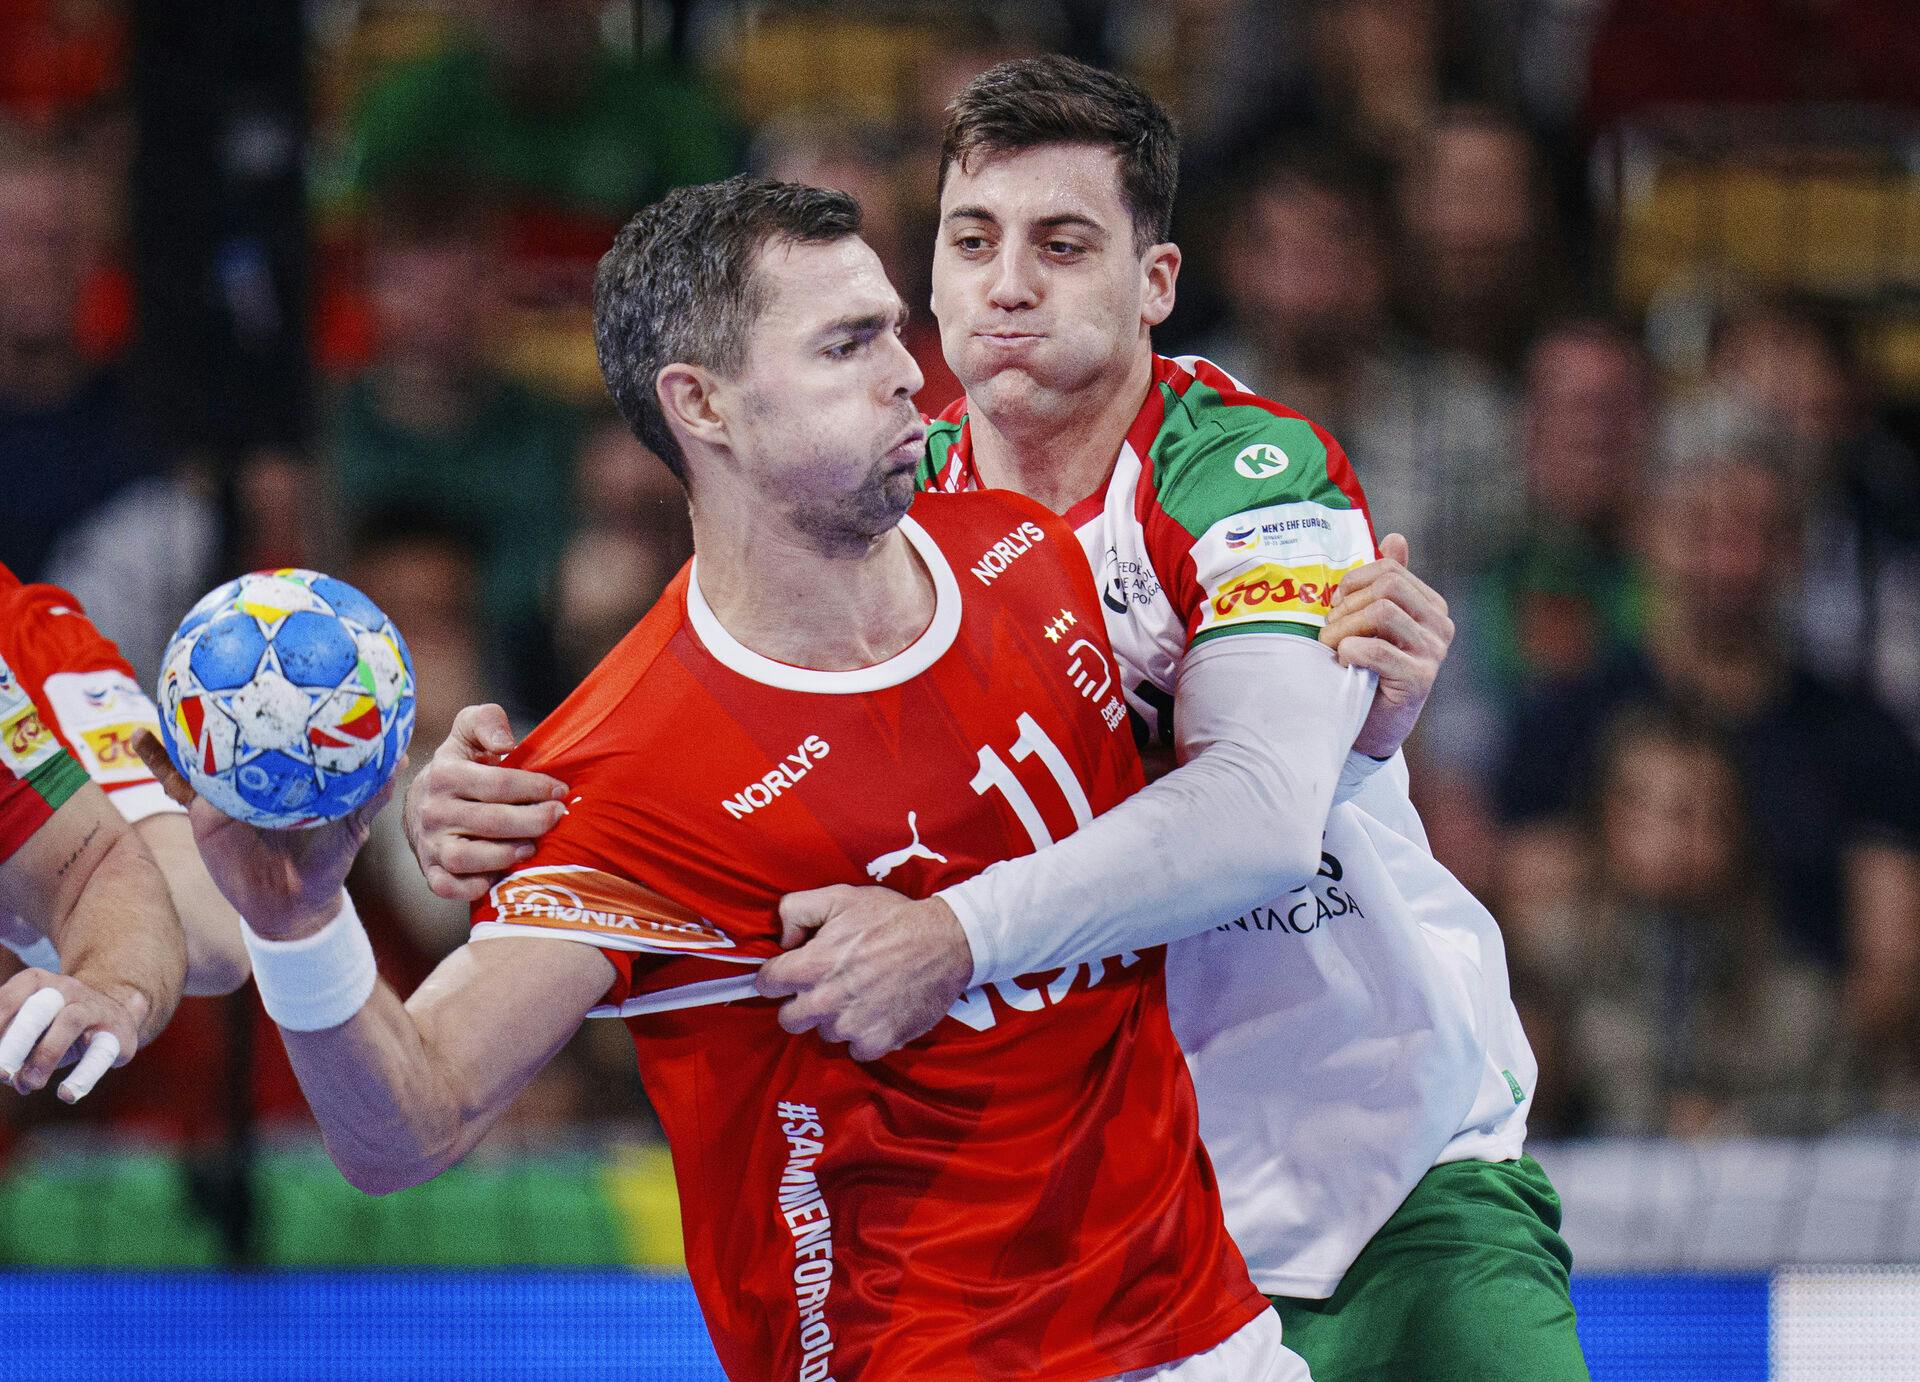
{"type": "Point", "coordinates": [1037, 285]}
{"type": "Point", "coordinates": [826, 393]}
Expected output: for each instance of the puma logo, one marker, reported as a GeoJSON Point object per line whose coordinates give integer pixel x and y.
{"type": "Point", "coordinates": [887, 863]}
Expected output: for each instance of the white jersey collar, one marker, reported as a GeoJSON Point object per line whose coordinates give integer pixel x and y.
{"type": "Point", "coordinates": [903, 666]}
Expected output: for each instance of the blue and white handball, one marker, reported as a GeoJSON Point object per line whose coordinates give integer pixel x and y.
{"type": "Point", "coordinates": [286, 698]}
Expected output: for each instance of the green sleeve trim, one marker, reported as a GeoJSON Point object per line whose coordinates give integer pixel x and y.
{"type": "Point", "coordinates": [57, 779]}
{"type": "Point", "coordinates": [1256, 626]}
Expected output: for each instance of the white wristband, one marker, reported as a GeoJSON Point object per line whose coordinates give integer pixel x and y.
{"type": "Point", "coordinates": [318, 981]}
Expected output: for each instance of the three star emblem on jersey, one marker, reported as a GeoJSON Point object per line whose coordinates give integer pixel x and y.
{"type": "Point", "coordinates": [620, 913]}
{"type": "Point", "coordinates": [1059, 624]}
{"type": "Point", "coordinates": [887, 863]}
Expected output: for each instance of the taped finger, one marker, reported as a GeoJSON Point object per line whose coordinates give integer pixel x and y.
{"type": "Point", "coordinates": [103, 1049]}
{"type": "Point", "coordinates": [26, 1029]}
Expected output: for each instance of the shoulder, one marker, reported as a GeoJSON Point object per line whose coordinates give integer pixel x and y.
{"type": "Point", "coordinates": [596, 721]}
{"type": "Point", "coordinates": [44, 631]}
{"type": "Point", "coordinates": [1221, 449]}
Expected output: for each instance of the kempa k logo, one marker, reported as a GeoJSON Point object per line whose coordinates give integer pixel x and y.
{"type": "Point", "coordinates": [887, 863]}
{"type": "Point", "coordinates": [1261, 461]}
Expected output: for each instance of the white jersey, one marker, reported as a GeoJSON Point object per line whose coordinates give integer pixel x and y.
{"type": "Point", "coordinates": [1350, 1036]}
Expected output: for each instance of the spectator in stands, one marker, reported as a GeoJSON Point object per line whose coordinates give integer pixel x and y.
{"type": "Point", "coordinates": [1653, 54]}
{"type": "Point", "coordinates": [538, 109]}
{"type": "Point", "coordinates": [1479, 255]}
{"type": "Point", "coordinates": [1681, 1012]}
{"type": "Point", "coordinates": [1831, 783]}
{"type": "Point", "coordinates": [1790, 372]}
{"type": "Point", "coordinates": [423, 569]}
{"type": "Point", "coordinates": [433, 424]}
{"type": "Point", "coordinates": [1306, 271]}
{"type": "Point", "coordinates": [94, 504]}
{"type": "Point", "coordinates": [634, 535]}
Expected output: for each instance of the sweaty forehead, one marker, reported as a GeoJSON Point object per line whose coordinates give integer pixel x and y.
{"type": "Point", "coordinates": [1035, 184]}
{"type": "Point", "coordinates": [807, 286]}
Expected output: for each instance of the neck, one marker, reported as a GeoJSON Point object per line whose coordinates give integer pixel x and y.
{"type": "Point", "coordinates": [39, 374]}
{"type": "Point", "coordinates": [1059, 458]}
{"type": "Point", "coordinates": [862, 602]}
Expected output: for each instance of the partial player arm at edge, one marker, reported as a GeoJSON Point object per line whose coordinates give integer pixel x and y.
{"type": "Point", "coordinates": [403, 1091]}
{"type": "Point", "coordinates": [216, 956]}
{"type": "Point", "coordinates": [89, 885]}
{"type": "Point", "coordinates": [1265, 724]}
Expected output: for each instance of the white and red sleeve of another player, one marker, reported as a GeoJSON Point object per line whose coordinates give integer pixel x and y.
{"type": "Point", "coordinates": [87, 695]}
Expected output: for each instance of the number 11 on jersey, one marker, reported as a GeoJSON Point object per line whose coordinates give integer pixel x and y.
{"type": "Point", "coordinates": [996, 775]}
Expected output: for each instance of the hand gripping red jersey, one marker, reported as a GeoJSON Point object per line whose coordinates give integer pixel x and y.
{"type": "Point", "coordinates": [84, 690]}
{"type": "Point", "coordinates": [1022, 1191]}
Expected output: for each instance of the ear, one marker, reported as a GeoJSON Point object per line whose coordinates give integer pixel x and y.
{"type": "Point", "coordinates": [1159, 271]}
{"type": "Point", "coordinates": [686, 394]}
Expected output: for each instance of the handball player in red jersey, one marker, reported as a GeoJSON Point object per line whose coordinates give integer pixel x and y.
{"type": "Point", "coordinates": [836, 690]}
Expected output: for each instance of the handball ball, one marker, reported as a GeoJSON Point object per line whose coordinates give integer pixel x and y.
{"type": "Point", "coordinates": [286, 698]}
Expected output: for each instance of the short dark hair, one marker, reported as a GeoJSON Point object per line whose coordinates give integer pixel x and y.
{"type": "Point", "coordinates": [678, 286]}
{"type": "Point", "coordinates": [1029, 102]}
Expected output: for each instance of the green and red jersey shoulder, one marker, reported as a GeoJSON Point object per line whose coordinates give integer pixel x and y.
{"type": "Point", "coordinates": [1250, 513]}
{"type": "Point", "coordinates": [36, 774]}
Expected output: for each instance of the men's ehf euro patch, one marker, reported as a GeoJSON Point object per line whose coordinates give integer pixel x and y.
{"type": "Point", "coordinates": [1279, 564]}
{"type": "Point", "coordinates": [587, 903]}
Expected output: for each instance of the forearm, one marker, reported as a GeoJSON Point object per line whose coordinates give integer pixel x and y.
{"type": "Point", "coordinates": [122, 936]}
{"type": "Point", "coordinates": [216, 958]}
{"type": "Point", "coordinates": [1265, 727]}
{"type": "Point", "coordinates": [386, 1108]}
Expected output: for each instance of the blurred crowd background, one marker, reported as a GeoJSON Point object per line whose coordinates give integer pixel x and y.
{"type": "Point", "coordinates": [1615, 305]}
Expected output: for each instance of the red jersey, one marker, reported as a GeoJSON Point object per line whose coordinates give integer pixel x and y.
{"type": "Point", "coordinates": [1022, 1191]}
{"type": "Point", "coordinates": [84, 690]}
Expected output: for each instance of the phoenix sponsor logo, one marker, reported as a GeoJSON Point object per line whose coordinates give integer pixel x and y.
{"type": "Point", "coordinates": [1303, 592]}
{"type": "Point", "coordinates": [804, 1210]}
{"type": "Point", "coordinates": [887, 863]}
{"type": "Point", "coordinates": [997, 558]}
{"type": "Point", "coordinates": [1305, 910]}
{"type": "Point", "coordinates": [1261, 461]}
{"type": "Point", "coordinates": [784, 775]}
{"type": "Point", "coordinates": [571, 897]}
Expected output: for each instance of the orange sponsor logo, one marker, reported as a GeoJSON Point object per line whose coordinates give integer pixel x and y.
{"type": "Point", "coordinates": [1270, 590]}
{"type": "Point", "coordinates": [25, 735]}
{"type": "Point", "coordinates": [569, 897]}
{"type": "Point", "coordinates": [113, 745]}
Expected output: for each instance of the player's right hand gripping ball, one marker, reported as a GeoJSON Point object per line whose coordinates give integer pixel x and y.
{"type": "Point", "coordinates": [286, 698]}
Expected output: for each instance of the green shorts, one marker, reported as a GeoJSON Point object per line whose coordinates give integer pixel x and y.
{"type": "Point", "coordinates": [1467, 1282]}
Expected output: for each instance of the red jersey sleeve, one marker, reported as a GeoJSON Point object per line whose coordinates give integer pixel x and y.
{"type": "Point", "coordinates": [36, 774]}
{"type": "Point", "coordinates": [84, 689]}
{"type": "Point", "coordinates": [589, 882]}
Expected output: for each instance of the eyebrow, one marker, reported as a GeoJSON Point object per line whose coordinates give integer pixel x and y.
{"type": "Point", "coordinates": [868, 322]}
{"type": "Point", "coordinates": [1054, 222]}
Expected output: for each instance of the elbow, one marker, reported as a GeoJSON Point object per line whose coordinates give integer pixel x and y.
{"type": "Point", "coordinates": [379, 1178]}
{"type": "Point", "coordinates": [216, 967]}
{"type": "Point", "coordinates": [1291, 863]}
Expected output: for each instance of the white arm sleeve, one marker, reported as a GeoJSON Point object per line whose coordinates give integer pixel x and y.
{"type": "Point", "coordinates": [1264, 725]}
